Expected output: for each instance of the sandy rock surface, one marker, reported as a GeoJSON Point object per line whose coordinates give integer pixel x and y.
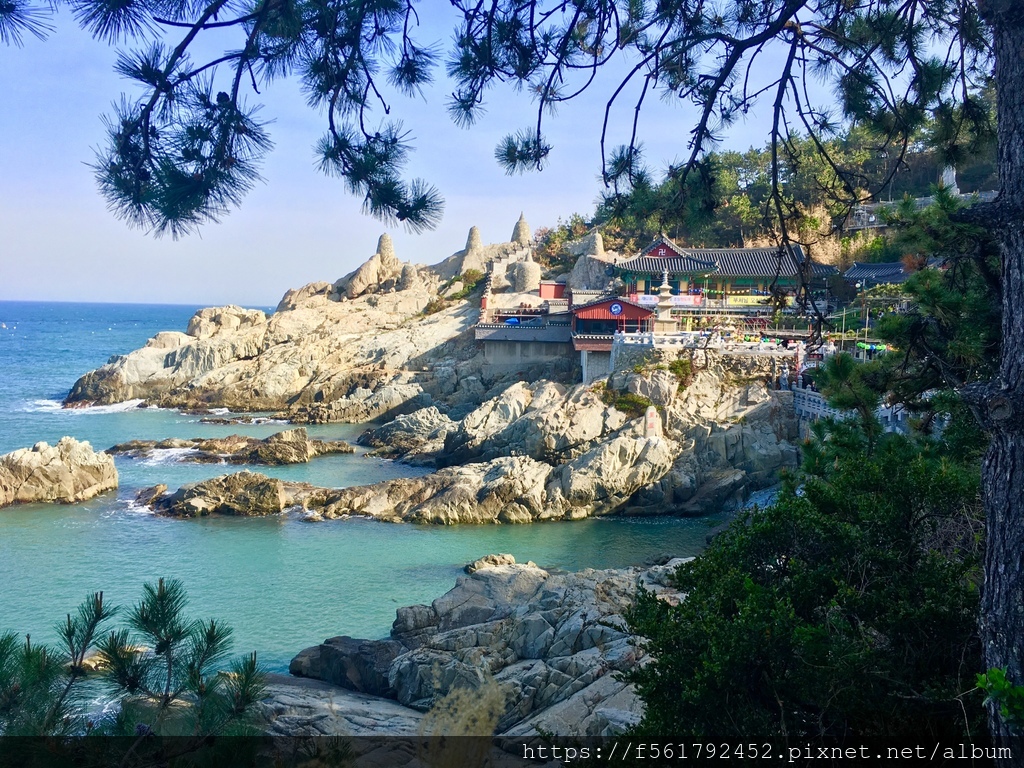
{"type": "Point", "coordinates": [67, 472]}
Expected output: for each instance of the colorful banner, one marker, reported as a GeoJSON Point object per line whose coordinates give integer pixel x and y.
{"type": "Point", "coordinates": [746, 301]}
{"type": "Point", "coordinates": [753, 301]}
{"type": "Point", "coordinates": [687, 300]}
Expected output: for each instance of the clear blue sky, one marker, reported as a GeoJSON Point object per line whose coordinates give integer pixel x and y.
{"type": "Point", "coordinates": [58, 242]}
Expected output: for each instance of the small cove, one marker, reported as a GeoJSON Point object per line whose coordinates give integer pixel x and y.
{"type": "Point", "coordinates": [281, 583]}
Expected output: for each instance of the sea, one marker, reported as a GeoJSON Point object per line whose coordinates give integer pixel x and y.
{"type": "Point", "coordinates": [282, 584]}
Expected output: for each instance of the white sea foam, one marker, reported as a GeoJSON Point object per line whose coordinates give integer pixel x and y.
{"type": "Point", "coordinates": [127, 405]}
{"type": "Point", "coordinates": [161, 456]}
{"type": "Point", "coordinates": [41, 406]}
{"type": "Point", "coordinates": [126, 506]}
{"type": "Point", "coordinates": [50, 406]}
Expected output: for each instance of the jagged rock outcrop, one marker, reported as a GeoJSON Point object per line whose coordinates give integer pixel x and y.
{"type": "Point", "coordinates": [726, 435]}
{"type": "Point", "coordinates": [297, 297]}
{"type": "Point", "coordinates": [554, 643]}
{"type": "Point", "coordinates": [246, 494]}
{"type": "Point", "coordinates": [381, 272]}
{"type": "Point", "coordinates": [542, 420]}
{"type": "Point", "coordinates": [316, 353]}
{"type": "Point", "coordinates": [68, 472]}
{"type": "Point", "coordinates": [511, 489]}
{"type": "Point", "coordinates": [291, 446]}
{"type": "Point", "coordinates": [416, 437]}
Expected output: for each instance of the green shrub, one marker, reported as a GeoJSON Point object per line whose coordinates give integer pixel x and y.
{"type": "Point", "coordinates": [162, 666]}
{"type": "Point", "coordinates": [630, 404]}
{"type": "Point", "coordinates": [682, 369]}
{"type": "Point", "coordinates": [843, 614]}
{"type": "Point", "coordinates": [435, 305]}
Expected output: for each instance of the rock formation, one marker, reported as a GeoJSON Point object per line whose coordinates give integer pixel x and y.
{"type": "Point", "coordinates": [554, 643]}
{"type": "Point", "coordinates": [318, 352]}
{"type": "Point", "coordinates": [480, 257]}
{"type": "Point", "coordinates": [725, 434]}
{"type": "Point", "coordinates": [521, 234]}
{"type": "Point", "coordinates": [525, 275]}
{"type": "Point", "coordinates": [67, 472]}
{"type": "Point", "coordinates": [292, 446]}
{"type": "Point", "coordinates": [246, 494]}
{"type": "Point", "coordinates": [355, 350]}
{"type": "Point", "coordinates": [381, 272]}
{"type": "Point", "coordinates": [417, 437]}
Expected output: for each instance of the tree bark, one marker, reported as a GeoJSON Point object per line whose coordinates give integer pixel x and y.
{"type": "Point", "coordinates": [1002, 621]}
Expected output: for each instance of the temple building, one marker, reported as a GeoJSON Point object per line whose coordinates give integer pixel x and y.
{"type": "Point", "coordinates": [665, 289]}
{"type": "Point", "coordinates": [738, 279]}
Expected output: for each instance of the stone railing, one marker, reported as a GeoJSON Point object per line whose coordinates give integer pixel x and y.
{"type": "Point", "coordinates": [810, 406]}
{"type": "Point", "coordinates": [695, 340]}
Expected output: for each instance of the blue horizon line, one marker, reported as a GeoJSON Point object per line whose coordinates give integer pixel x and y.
{"type": "Point", "coordinates": [125, 303]}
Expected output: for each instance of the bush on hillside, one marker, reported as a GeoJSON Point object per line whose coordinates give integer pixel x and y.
{"type": "Point", "coordinates": [843, 614]}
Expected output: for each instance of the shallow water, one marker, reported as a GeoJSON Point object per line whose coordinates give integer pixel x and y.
{"type": "Point", "coordinates": [281, 583]}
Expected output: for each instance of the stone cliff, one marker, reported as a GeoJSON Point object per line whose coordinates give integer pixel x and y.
{"type": "Point", "coordinates": [544, 451]}
{"type": "Point", "coordinates": [552, 642]}
{"type": "Point", "coordinates": [358, 349]}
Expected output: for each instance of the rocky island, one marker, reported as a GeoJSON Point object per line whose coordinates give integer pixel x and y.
{"type": "Point", "coordinates": [68, 472]}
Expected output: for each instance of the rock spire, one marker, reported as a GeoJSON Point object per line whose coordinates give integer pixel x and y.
{"type": "Point", "coordinates": [521, 235]}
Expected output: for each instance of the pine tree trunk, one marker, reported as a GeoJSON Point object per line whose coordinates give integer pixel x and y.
{"type": "Point", "coordinates": [1002, 622]}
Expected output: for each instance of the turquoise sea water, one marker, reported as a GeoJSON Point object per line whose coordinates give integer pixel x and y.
{"type": "Point", "coordinates": [281, 583]}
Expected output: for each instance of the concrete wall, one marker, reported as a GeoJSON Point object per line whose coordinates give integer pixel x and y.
{"type": "Point", "coordinates": [516, 354]}
{"type": "Point", "coordinates": [595, 365]}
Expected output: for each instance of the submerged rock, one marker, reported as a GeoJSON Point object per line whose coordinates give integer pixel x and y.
{"type": "Point", "coordinates": [67, 472]}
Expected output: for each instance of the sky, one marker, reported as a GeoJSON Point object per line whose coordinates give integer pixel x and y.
{"type": "Point", "coordinates": [58, 242]}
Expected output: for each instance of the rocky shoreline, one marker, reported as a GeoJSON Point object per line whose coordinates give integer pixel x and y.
{"type": "Point", "coordinates": [544, 451]}
{"type": "Point", "coordinates": [552, 644]}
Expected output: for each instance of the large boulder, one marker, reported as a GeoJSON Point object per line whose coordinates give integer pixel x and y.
{"type": "Point", "coordinates": [247, 494]}
{"type": "Point", "coordinates": [359, 665]}
{"type": "Point", "coordinates": [67, 472]}
{"type": "Point", "coordinates": [415, 437]}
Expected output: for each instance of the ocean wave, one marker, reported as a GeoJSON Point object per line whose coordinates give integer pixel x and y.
{"type": "Point", "coordinates": [161, 456]}
{"type": "Point", "coordinates": [127, 405]}
{"type": "Point", "coordinates": [52, 406]}
{"type": "Point", "coordinates": [126, 506]}
{"type": "Point", "coordinates": [41, 406]}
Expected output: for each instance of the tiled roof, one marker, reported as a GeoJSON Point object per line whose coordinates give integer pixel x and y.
{"type": "Point", "coordinates": [729, 262]}
{"type": "Point", "coordinates": [888, 272]}
{"type": "Point", "coordinates": [603, 299]}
